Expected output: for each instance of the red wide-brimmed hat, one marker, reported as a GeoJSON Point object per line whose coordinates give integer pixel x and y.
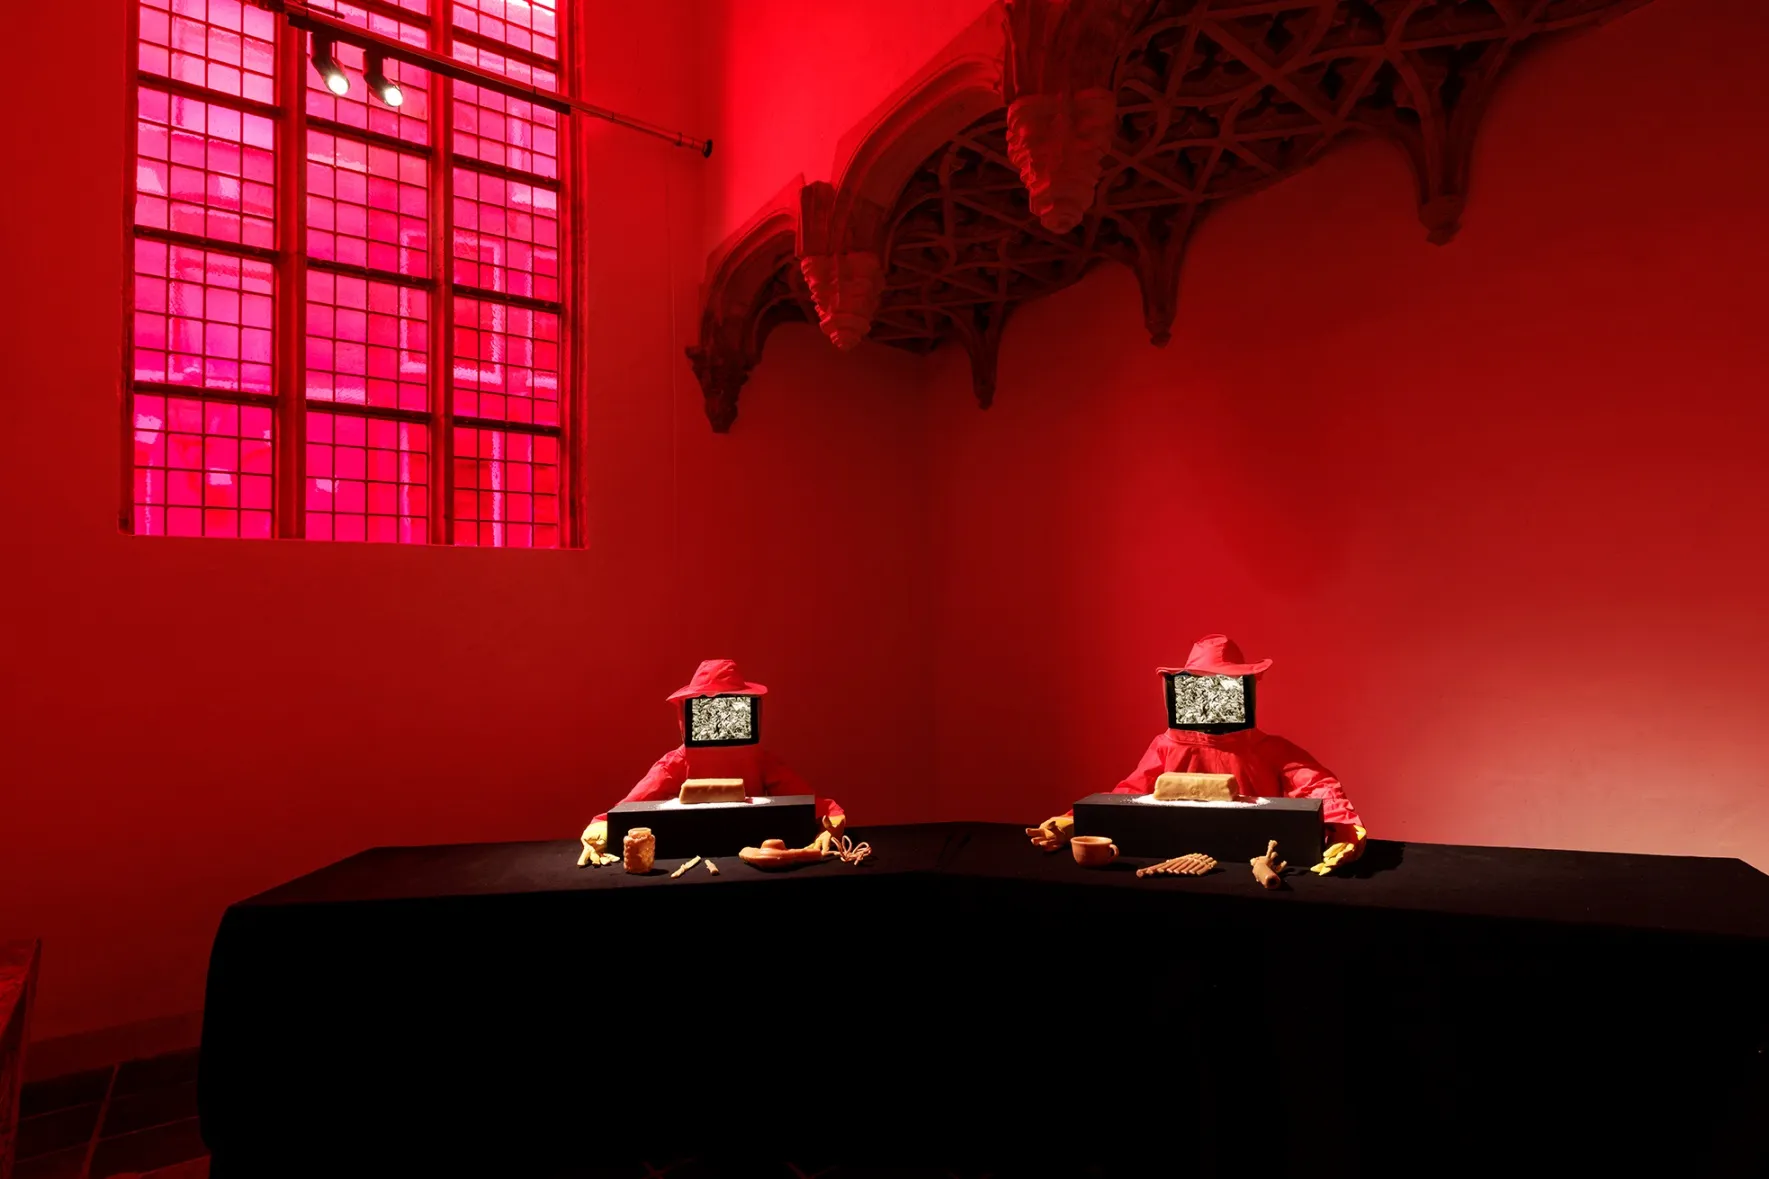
{"type": "Point", "coordinates": [1217, 655]}
{"type": "Point", "coordinates": [717, 677]}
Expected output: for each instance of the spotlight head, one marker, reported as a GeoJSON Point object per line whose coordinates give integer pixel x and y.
{"type": "Point", "coordinates": [384, 88]}
{"type": "Point", "coordinates": [336, 80]}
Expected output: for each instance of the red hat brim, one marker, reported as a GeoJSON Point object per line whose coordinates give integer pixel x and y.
{"type": "Point", "coordinates": [1259, 668]}
{"type": "Point", "coordinates": [744, 688]}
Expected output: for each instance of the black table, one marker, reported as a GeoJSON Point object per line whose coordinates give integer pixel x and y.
{"type": "Point", "coordinates": [963, 998]}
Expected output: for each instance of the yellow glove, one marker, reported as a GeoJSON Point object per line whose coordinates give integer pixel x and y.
{"type": "Point", "coordinates": [595, 841]}
{"type": "Point", "coordinates": [831, 835]}
{"type": "Point", "coordinates": [1343, 852]}
{"type": "Point", "coordinates": [1052, 833]}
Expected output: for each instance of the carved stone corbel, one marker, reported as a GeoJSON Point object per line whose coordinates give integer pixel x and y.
{"type": "Point", "coordinates": [978, 331]}
{"type": "Point", "coordinates": [722, 368]}
{"type": "Point", "coordinates": [1061, 105]}
{"type": "Point", "coordinates": [840, 257]}
{"type": "Point", "coordinates": [751, 288]}
{"type": "Point", "coordinates": [1153, 246]}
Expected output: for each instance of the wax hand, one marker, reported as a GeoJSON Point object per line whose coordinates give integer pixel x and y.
{"type": "Point", "coordinates": [595, 841]}
{"type": "Point", "coordinates": [1052, 833]}
{"type": "Point", "coordinates": [1347, 845]}
{"type": "Point", "coordinates": [831, 835]}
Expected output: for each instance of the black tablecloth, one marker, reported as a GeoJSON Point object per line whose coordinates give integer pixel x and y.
{"type": "Point", "coordinates": [962, 996]}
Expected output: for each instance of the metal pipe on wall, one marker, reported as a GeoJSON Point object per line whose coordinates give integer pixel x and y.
{"type": "Point", "coordinates": [302, 17]}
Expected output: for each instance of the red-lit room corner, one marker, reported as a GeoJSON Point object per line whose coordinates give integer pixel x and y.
{"type": "Point", "coordinates": [1491, 506]}
{"type": "Point", "coordinates": [1494, 508]}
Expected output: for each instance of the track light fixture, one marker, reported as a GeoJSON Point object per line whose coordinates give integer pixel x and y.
{"type": "Point", "coordinates": [383, 87]}
{"type": "Point", "coordinates": [327, 64]}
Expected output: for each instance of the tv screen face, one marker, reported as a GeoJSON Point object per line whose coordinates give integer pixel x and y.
{"type": "Point", "coordinates": [1209, 701]}
{"type": "Point", "coordinates": [722, 720]}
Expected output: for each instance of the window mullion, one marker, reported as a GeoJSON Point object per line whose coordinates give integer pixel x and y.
{"type": "Point", "coordinates": [126, 453]}
{"type": "Point", "coordinates": [441, 336]}
{"type": "Point", "coordinates": [574, 358]}
{"type": "Point", "coordinates": [291, 283]}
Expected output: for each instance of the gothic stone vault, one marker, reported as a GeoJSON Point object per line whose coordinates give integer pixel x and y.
{"type": "Point", "coordinates": [1054, 134]}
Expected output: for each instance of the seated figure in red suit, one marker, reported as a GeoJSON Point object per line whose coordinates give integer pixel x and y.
{"type": "Point", "coordinates": [1210, 731]}
{"type": "Point", "coordinates": [735, 751]}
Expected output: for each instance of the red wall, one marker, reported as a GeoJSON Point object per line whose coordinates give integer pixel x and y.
{"type": "Point", "coordinates": [790, 78]}
{"type": "Point", "coordinates": [1497, 509]}
{"type": "Point", "coordinates": [187, 722]}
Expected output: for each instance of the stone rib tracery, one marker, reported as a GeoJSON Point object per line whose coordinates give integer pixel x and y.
{"type": "Point", "coordinates": [1202, 101]}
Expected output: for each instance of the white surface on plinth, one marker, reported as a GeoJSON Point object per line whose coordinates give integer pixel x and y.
{"type": "Point", "coordinates": [754, 800]}
{"type": "Point", "coordinates": [1151, 800]}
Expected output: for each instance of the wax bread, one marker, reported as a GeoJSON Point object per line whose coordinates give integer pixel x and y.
{"type": "Point", "coordinates": [1195, 787]}
{"type": "Point", "coordinates": [712, 790]}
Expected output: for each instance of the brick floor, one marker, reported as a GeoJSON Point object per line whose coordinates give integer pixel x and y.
{"type": "Point", "coordinates": [137, 1120]}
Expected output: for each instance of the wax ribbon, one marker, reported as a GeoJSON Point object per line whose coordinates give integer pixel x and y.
{"type": "Point", "coordinates": [849, 853]}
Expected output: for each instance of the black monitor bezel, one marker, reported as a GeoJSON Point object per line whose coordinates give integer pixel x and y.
{"type": "Point", "coordinates": [1248, 686]}
{"type": "Point", "coordinates": [755, 713]}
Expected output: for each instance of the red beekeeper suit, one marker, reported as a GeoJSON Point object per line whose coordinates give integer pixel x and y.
{"type": "Point", "coordinates": [1263, 765]}
{"type": "Point", "coordinates": [761, 771]}
{"type": "Point", "coordinates": [665, 777]}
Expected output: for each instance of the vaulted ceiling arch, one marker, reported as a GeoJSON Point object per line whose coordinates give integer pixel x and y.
{"type": "Point", "coordinates": [1056, 134]}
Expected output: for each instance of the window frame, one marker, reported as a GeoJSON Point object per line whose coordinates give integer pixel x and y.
{"type": "Point", "coordinates": [288, 400]}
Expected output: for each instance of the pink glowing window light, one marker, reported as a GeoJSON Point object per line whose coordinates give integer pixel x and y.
{"type": "Point", "coordinates": [506, 488]}
{"type": "Point", "coordinates": [227, 46]}
{"type": "Point", "coordinates": [202, 318]}
{"type": "Point", "coordinates": [367, 479]}
{"type": "Point", "coordinates": [205, 170]}
{"type": "Point", "coordinates": [506, 236]}
{"type": "Point", "coordinates": [497, 129]}
{"type": "Point", "coordinates": [506, 362]}
{"type": "Point", "coordinates": [531, 26]}
{"type": "Point", "coordinates": [367, 342]}
{"type": "Point", "coordinates": [202, 468]}
{"type": "Point", "coordinates": [373, 396]}
{"type": "Point", "coordinates": [367, 205]}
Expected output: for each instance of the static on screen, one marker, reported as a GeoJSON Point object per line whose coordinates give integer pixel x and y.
{"type": "Point", "coordinates": [1208, 699]}
{"type": "Point", "coordinates": [721, 718]}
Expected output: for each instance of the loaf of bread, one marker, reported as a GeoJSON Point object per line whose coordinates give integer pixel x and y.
{"type": "Point", "coordinates": [712, 790]}
{"type": "Point", "coordinates": [1195, 787]}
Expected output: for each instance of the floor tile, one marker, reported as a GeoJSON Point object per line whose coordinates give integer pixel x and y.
{"type": "Point", "coordinates": [174, 1068]}
{"type": "Point", "coordinates": [63, 1164]}
{"type": "Point", "coordinates": [145, 1150]}
{"type": "Point", "coordinates": [52, 1093]}
{"type": "Point", "coordinates": [49, 1132]}
{"type": "Point", "coordinates": [150, 1107]}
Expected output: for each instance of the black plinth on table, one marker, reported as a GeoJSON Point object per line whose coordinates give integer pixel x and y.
{"type": "Point", "coordinates": [716, 828]}
{"type": "Point", "coordinates": [962, 997]}
{"type": "Point", "coordinates": [1233, 833]}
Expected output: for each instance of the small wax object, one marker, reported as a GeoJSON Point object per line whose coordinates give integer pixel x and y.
{"type": "Point", "coordinates": [640, 850]}
{"type": "Point", "coordinates": [775, 854]}
{"type": "Point", "coordinates": [1171, 787]}
{"type": "Point", "coordinates": [1195, 864]}
{"type": "Point", "coordinates": [711, 867]}
{"type": "Point", "coordinates": [1268, 869]}
{"type": "Point", "coordinates": [687, 864]}
{"type": "Point", "coordinates": [696, 790]}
